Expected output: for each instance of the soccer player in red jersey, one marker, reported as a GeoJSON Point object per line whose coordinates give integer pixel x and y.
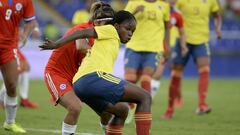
{"type": "Point", "coordinates": [63, 65]}
{"type": "Point", "coordinates": [11, 14]}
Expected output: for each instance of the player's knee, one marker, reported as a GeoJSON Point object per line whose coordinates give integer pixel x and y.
{"type": "Point", "coordinates": [11, 88]}
{"type": "Point", "coordinates": [147, 99]}
{"type": "Point", "coordinates": [75, 109]}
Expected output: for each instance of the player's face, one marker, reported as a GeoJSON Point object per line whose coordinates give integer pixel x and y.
{"type": "Point", "coordinates": [126, 30]}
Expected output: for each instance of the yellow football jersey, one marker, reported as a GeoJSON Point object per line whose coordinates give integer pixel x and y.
{"type": "Point", "coordinates": [103, 54]}
{"type": "Point", "coordinates": [81, 16]}
{"type": "Point", "coordinates": [174, 35]}
{"type": "Point", "coordinates": [196, 18]}
{"type": "Point", "coordinates": [150, 30]}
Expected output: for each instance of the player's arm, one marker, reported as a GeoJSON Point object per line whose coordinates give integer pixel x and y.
{"type": "Point", "coordinates": [179, 24]}
{"type": "Point", "coordinates": [218, 24]}
{"type": "Point", "coordinates": [27, 30]}
{"type": "Point", "coordinates": [82, 45]}
{"type": "Point", "coordinates": [81, 34]}
{"type": "Point", "coordinates": [167, 26]}
{"type": "Point", "coordinates": [182, 38]}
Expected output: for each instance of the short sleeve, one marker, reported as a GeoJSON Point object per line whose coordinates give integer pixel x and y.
{"type": "Point", "coordinates": [106, 32]}
{"type": "Point", "coordinates": [179, 23]}
{"type": "Point", "coordinates": [28, 11]}
{"type": "Point", "coordinates": [214, 7]}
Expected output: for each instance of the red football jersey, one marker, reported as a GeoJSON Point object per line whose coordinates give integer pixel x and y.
{"type": "Point", "coordinates": [11, 14]}
{"type": "Point", "coordinates": [66, 60]}
{"type": "Point", "coordinates": [176, 18]}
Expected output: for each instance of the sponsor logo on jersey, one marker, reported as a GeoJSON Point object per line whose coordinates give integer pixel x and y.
{"type": "Point", "coordinates": [204, 1]}
{"type": "Point", "coordinates": [18, 6]}
{"type": "Point", "coordinates": [0, 4]}
{"type": "Point", "coordinates": [160, 7]}
{"type": "Point", "coordinates": [63, 86]}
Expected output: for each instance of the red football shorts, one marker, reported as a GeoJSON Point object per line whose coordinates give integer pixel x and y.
{"type": "Point", "coordinates": [8, 55]}
{"type": "Point", "coordinates": [57, 85]}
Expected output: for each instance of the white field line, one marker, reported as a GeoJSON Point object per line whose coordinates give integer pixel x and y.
{"type": "Point", "coordinates": [54, 131]}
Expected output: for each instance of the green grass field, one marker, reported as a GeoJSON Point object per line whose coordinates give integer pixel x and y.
{"type": "Point", "coordinates": [224, 98]}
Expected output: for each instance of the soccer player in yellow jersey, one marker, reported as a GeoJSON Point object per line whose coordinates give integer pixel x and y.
{"type": "Point", "coordinates": [142, 50]}
{"type": "Point", "coordinates": [83, 15]}
{"type": "Point", "coordinates": [94, 83]}
{"type": "Point", "coordinates": [177, 37]}
{"type": "Point", "coordinates": [196, 18]}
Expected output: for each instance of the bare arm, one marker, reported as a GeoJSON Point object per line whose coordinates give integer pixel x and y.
{"type": "Point", "coordinates": [86, 33]}
{"type": "Point", "coordinates": [218, 24]}
{"type": "Point", "coordinates": [184, 49]}
{"type": "Point", "coordinates": [167, 38]}
{"type": "Point", "coordinates": [27, 30]}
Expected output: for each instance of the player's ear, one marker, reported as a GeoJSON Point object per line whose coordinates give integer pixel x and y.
{"type": "Point", "coordinates": [117, 26]}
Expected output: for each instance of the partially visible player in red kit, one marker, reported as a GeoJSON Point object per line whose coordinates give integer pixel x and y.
{"type": "Point", "coordinates": [11, 14]}
{"type": "Point", "coordinates": [63, 65]}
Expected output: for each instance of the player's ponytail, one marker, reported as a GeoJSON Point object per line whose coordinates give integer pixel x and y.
{"type": "Point", "coordinates": [101, 11]}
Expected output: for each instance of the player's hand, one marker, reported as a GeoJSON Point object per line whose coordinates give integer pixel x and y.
{"type": "Point", "coordinates": [166, 55]}
{"type": "Point", "coordinates": [139, 9]}
{"type": "Point", "coordinates": [48, 45]}
{"type": "Point", "coordinates": [22, 40]}
{"type": "Point", "coordinates": [184, 51]}
{"type": "Point", "coordinates": [219, 34]}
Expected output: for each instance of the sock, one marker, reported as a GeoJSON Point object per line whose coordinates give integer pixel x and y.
{"type": "Point", "coordinates": [174, 88]}
{"type": "Point", "coordinates": [23, 85]}
{"type": "Point", "coordinates": [202, 88]}
{"type": "Point", "coordinates": [143, 123]}
{"type": "Point", "coordinates": [10, 104]}
{"type": "Point", "coordinates": [2, 93]}
{"type": "Point", "coordinates": [68, 129]}
{"type": "Point", "coordinates": [114, 129]}
{"type": "Point", "coordinates": [146, 83]}
{"type": "Point", "coordinates": [155, 87]}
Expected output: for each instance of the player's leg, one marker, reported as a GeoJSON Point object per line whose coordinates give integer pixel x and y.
{"type": "Point", "coordinates": [23, 83]}
{"type": "Point", "coordinates": [174, 95]}
{"type": "Point", "coordinates": [115, 125]}
{"type": "Point", "coordinates": [201, 57]}
{"type": "Point", "coordinates": [156, 79]}
{"type": "Point", "coordinates": [132, 62]}
{"type": "Point", "coordinates": [2, 95]}
{"type": "Point", "coordinates": [62, 92]}
{"type": "Point", "coordinates": [73, 106]}
{"type": "Point", "coordinates": [143, 116]}
{"type": "Point", "coordinates": [10, 71]}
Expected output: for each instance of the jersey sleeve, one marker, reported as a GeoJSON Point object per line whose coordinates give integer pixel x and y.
{"type": "Point", "coordinates": [106, 32]}
{"type": "Point", "coordinates": [179, 23]}
{"type": "Point", "coordinates": [214, 6]}
{"type": "Point", "coordinates": [28, 11]}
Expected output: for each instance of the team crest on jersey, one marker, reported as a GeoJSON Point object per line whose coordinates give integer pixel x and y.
{"type": "Point", "coordinates": [173, 20]}
{"type": "Point", "coordinates": [63, 86]}
{"type": "Point", "coordinates": [18, 6]}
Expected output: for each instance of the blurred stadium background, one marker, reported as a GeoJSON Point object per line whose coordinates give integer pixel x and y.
{"type": "Point", "coordinates": [54, 18]}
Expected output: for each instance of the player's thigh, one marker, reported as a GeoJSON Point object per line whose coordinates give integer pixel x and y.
{"type": "Point", "coordinates": [201, 54]}
{"type": "Point", "coordinates": [176, 56]}
{"type": "Point", "coordinates": [133, 93]}
{"type": "Point", "coordinates": [149, 62]}
{"type": "Point", "coordinates": [56, 84]}
{"type": "Point", "coordinates": [70, 101]}
{"type": "Point", "coordinates": [132, 60]}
